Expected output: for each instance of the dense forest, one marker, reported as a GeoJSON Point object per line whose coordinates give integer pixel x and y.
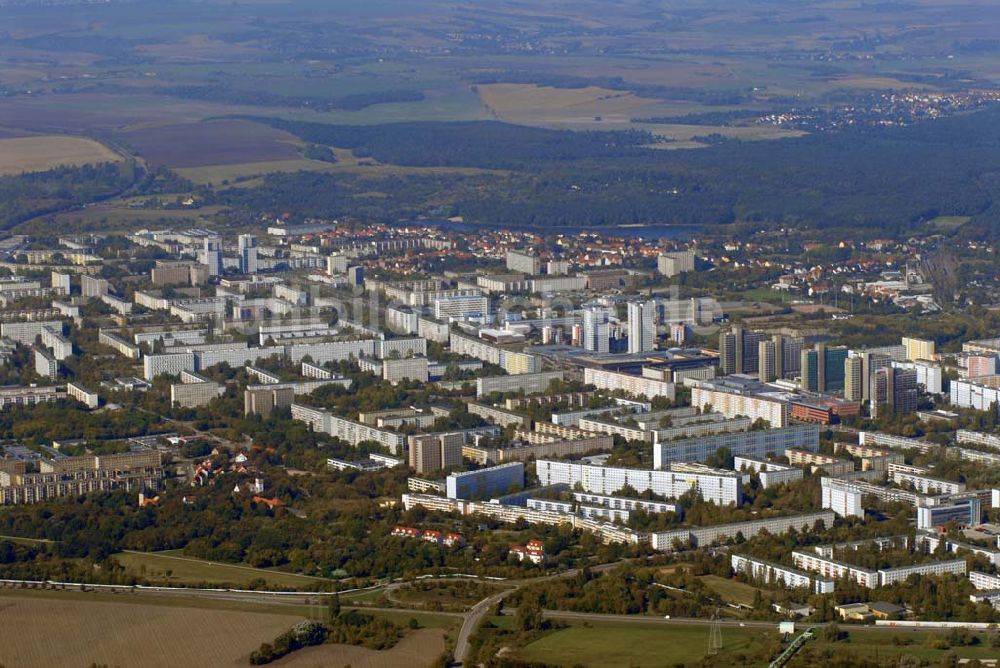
{"type": "Point", "coordinates": [38, 193]}
{"type": "Point", "coordinates": [889, 180]}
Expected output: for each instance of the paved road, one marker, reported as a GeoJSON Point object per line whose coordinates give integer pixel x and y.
{"type": "Point", "coordinates": [472, 621]}
{"type": "Point", "coordinates": [478, 613]}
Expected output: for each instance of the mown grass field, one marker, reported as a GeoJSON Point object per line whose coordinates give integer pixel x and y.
{"type": "Point", "coordinates": [188, 571]}
{"type": "Point", "coordinates": [615, 644]}
{"type": "Point", "coordinates": [35, 154]}
{"type": "Point", "coordinates": [888, 645]}
{"type": "Point", "coordinates": [731, 591]}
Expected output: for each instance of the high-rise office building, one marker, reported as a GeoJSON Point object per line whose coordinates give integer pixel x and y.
{"type": "Point", "coordinates": [356, 275]}
{"type": "Point", "coordinates": [596, 329]}
{"type": "Point", "coordinates": [727, 353]}
{"type": "Point", "coordinates": [853, 379]}
{"type": "Point", "coordinates": [822, 369]}
{"type": "Point", "coordinates": [895, 389]}
{"type": "Point", "coordinates": [870, 363]}
{"type": "Point", "coordinates": [833, 368]}
{"type": "Point", "coordinates": [739, 351]}
{"type": "Point", "coordinates": [767, 361]}
{"type": "Point", "coordinates": [211, 255]}
{"type": "Point", "coordinates": [809, 368]}
{"type": "Point", "coordinates": [791, 357]}
{"type": "Point", "coordinates": [248, 253]}
{"type": "Point", "coordinates": [641, 327]}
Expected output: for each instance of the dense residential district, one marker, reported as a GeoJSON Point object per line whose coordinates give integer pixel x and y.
{"type": "Point", "coordinates": [653, 425]}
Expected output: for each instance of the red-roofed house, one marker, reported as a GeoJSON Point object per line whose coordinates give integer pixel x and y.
{"type": "Point", "coordinates": [270, 503]}
{"type": "Point", "coordinates": [406, 532]}
{"type": "Point", "coordinates": [522, 553]}
{"type": "Point", "coordinates": [454, 539]}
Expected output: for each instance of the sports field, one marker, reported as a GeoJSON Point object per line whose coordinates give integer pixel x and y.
{"type": "Point", "coordinates": [35, 154]}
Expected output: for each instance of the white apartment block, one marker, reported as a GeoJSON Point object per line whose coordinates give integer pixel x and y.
{"type": "Point", "coordinates": [984, 580]}
{"type": "Point", "coordinates": [433, 330]}
{"type": "Point", "coordinates": [924, 483]}
{"type": "Point", "coordinates": [835, 570]}
{"type": "Point", "coordinates": [978, 393]}
{"type": "Point", "coordinates": [81, 394]}
{"type": "Point", "coordinates": [460, 306]}
{"type": "Point", "coordinates": [25, 333]}
{"type": "Point", "coordinates": [315, 371]}
{"type": "Point", "coordinates": [171, 364]}
{"type": "Point", "coordinates": [791, 578]}
{"type": "Point", "coordinates": [991, 441]}
{"type": "Point", "coordinates": [386, 348]}
{"type": "Point", "coordinates": [473, 347]}
{"type": "Point", "coordinates": [842, 497]}
{"type": "Point", "coordinates": [60, 345]}
{"type": "Point", "coordinates": [890, 576]}
{"type": "Point", "coordinates": [348, 431]}
{"type": "Point", "coordinates": [46, 365]}
{"type": "Point", "coordinates": [194, 390]}
{"type": "Point", "coordinates": [409, 368]}
{"type": "Point", "coordinates": [29, 396]}
{"type": "Point", "coordinates": [333, 351]}
{"type": "Point", "coordinates": [61, 282]}
{"type": "Point", "coordinates": [118, 305]}
{"type": "Point", "coordinates": [633, 385]}
{"type": "Point", "coordinates": [123, 347]}
{"type": "Point", "coordinates": [878, 439]}
{"type": "Point", "coordinates": [557, 284]}
{"type": "Point", "coordinates": [721, 487]}
{"type": "Point", "coordinates": [671, 264]}
{"type": "Point", "coordinates": [625, 503]}
{"type": "Point", "coordinates": [401, 320]}
{"type": "Point", "coordinates": [641, 326]}
{"type": "Point", "coordinates": [528, 383]}
{"type": "Point", "coordinates": [666, 541]}
{"type": "Point", "coordinates": [771, 474]}
{"type": "Point", "coordinates": [524, 262]}
{"type": "Point", "coordinates": [91, 286]}
{"type": "Point", "coordinates": [732, 404]}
